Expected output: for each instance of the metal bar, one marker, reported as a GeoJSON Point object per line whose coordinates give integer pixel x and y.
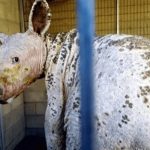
{"type": "Point", "coordinates": [2, 142]}
{"type": "Point", "coordinates": [85, 11]}
{"type": "Point", "coordinates": [21, 11]}
{"type": "Point", "coordinates": [118, 16]}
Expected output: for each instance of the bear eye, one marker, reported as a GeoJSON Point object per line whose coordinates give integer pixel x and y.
{"type": "Point", "coordinates": [15, 60]}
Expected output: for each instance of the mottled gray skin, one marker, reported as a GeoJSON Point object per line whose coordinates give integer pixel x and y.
{"type": "Point", "coordinates": [122, 92]}
{"type": "Point", "coordinates": [121, 65]}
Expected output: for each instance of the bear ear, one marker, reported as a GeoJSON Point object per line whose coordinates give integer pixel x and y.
{"type": "Point", "coordinates": [3, 37]}
{"type": "Point", "coordinates": [40, 17]}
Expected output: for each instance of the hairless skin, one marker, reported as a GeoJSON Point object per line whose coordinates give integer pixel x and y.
{"type": "Point", "coordinates": [121, 65]}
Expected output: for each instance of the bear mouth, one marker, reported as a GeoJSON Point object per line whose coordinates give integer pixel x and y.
{"type": "Point", "coordinates": [1, 91]}
{"type": "Point", "coordinates": [3, 102]}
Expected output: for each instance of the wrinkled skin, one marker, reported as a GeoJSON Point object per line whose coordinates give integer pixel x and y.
{"type": "Point", "coordinates": [121, 65]}
{"type": "Point", "coordinates": [16, 71]}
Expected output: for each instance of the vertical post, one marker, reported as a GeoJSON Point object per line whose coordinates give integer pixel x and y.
{"type": "Point", "coordinates": [118, 16]}
{"type": "Point", "coordinates": [21, 10]}
{"type": "Point", "coordinates": [85, 11]}
{"type": "Point", "coordinates": [2, 146]}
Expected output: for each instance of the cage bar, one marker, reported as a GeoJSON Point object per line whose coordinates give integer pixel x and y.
{"type": "Point", "coordinates": [118, 17]}
{"type": "Point", "coordinates": [85, 11]}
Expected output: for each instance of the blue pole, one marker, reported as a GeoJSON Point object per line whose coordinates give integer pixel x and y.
{"type": "Point", "coordinates": [85, 11]}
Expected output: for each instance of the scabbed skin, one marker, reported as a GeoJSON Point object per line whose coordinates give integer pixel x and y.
{"type": "Point", "coordinates": [121, 74]}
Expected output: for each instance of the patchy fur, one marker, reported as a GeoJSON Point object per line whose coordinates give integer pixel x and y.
{"type": "Point", "coordinates": [121, 65]}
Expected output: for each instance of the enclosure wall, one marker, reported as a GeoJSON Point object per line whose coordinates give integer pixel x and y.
{"type": "Point", "coordinates": [35, 104]}
{"type": "Point", "coordinates": [134, 16]}
{"type": "Point", "coordinates": [9, 16]}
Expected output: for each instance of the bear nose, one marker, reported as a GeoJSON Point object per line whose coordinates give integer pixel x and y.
{"type": "Point", "coordinates": [1, 91]}
{"type": "Point", "coordinates": [1, 94]}
{"type": "Point", "coordinates": [3, 102]}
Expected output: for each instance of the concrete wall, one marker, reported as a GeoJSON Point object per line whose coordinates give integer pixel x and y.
{"type": "Point", "coordinates": [13, 123]}
{"type": "Point", "coordinates": [9, 16]}
{"type": "Point", "coordinates": [135, 17]}
{"type": "Point", "coordinates": [12, 114]}
{"type": "Point", "coordinates": [35, 100]}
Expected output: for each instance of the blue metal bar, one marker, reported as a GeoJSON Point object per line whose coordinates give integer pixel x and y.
{"type": "Point", "coordinates": [85, 11]}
